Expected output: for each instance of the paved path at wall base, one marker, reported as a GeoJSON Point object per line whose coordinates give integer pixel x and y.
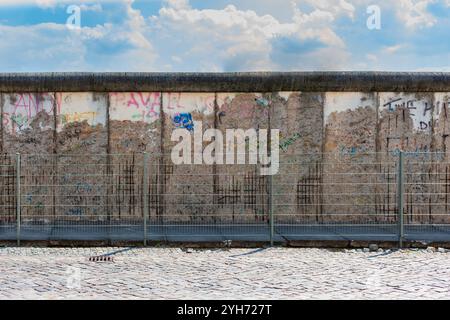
{"type": "Point", "coordinates": [211, 233]}
{"type": "Point", "coordinates": [273, 273]}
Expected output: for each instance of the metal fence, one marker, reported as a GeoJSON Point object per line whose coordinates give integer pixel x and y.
{"type": "Point", "coordinates": [397, 196]}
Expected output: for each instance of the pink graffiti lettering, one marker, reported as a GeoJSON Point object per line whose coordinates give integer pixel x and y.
{"type": "Point", "coordinates": [147, 101]}
{"type": "Point", "coordinates": [173, 100]}
{"type": "Point", "coordinates": [28, 105]}
{"type": "Point", "coordinates": [203, 104]}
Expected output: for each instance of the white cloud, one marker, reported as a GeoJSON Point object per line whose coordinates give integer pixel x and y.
{"type": "Point", "coordinates": [135, 27]}
{"type": "Point", "coordinates": [392, 49]}
{"type": "Point", "coordinates": [233, 39]}
{"type": "Point", "coordinates": [336, 7]}
{"type": "Point", "coordinates": [414, 14]}
{"type": "Point", "coordinates": [181, 38]}
{"type": "Point", "coordinates": [46, 3]}
{"type": "Point", "coordinates": [178, 4]}
{"type": "Point", "coordinates": [94, 7]}
{"type": "Point", "coordinates": [54, 3]}
{"type": "Point", "coordinates": [371, 57]}
{"type": "Point", "coordinates": [20, 50]}
{"type": "Point", "coordinates": [52, 47]}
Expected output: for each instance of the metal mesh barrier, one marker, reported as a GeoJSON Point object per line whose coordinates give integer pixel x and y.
{"type": "Point", "coordinates": [336, 197]}
{"type": "Point", "coordinates": [426, 196]}
{"type": "Point", "coordinates": [8, 198]}
{"type": "Point", "coordinates": [145, 197]}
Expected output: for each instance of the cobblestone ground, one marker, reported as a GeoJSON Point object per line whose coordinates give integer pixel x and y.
{"type": "Point", "coordinates": [274, 273]}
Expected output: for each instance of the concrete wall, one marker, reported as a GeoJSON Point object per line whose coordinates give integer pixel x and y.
{"type": "Point", "coordinates": [321, 128]}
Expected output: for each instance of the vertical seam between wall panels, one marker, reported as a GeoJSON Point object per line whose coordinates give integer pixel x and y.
{"type": "Point", "coordinates": [108, 160]}
{"type": "Point", "coordinates": [108, 130]}
{"type": "Point", "coordinates": [2, 97]}
{"type": "Point", "coordinates": [322, 156]}
{"type": "Point", "coordinates": [269, 147]}
{"type": "Point", "coordinates": [433, 138]}
{"type": "Point", "coordinates": [214, 168]}
{"type": "Point", "coordinates": [377, 125]}
{"type": "Point", "coordinates": [378, 201]}
{"type": "Point", "coordinates": [324, 102]}
{"type": "Point", "coordinates": [433, 156]}
{"type": "Point", "coordinates": [55, 152]}
{"type": "Point", "coordinates": [161, 171]}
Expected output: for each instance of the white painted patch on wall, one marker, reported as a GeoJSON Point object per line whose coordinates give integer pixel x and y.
{"type": "Point", "coordinates": [82, 106]}
{"type": "Point", "coordinates": [285, 94]}
{"type": "Point", "coordinates": [342, 101]}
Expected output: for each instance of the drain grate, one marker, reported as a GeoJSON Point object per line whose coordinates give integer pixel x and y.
{"type": "Point", "coordinates": [101, 259]}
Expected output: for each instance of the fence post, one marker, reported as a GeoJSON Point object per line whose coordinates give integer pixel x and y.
{"type": "Point", "coordinates": [18, 205]}
{"type": "Point", "coordinates": [145, 195]}
{"type": "Point", "coordinates": [400, 191]}
{"type": "Point", "coordinates": [271, 222]}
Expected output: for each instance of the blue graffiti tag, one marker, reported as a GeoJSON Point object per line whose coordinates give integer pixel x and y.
{"type": "Point", "coordinates": [184, 120]}
{"type": "Point", "coordinates": [77, 211]}
{"type": "Point", "coordinates": [262, 102]}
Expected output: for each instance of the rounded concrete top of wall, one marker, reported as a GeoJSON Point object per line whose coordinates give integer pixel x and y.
{"type": "Point", "coordinates": [226, 82]}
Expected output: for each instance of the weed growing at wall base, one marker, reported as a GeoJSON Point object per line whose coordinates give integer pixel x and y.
{"type": "Point", "coordinates": [235, 144]}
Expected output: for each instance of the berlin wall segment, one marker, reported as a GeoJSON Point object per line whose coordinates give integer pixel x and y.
{"type": "Point", "coordinates": [314, 128]}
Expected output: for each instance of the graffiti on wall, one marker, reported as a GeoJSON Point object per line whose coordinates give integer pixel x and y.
{"type": "Point", "coordinates": [442, 121]}
{"type": "Point", "coordinates": [81, 107]}
{"type": "Point", "coordinates": [350, 122]}
{"type": "Point", "coordinates": [21, 109]}
{"type": "Point", "coordinates": [183, 120]}
{"type": "Point", "coordinates": [286, 142]}
{"type": "Point", "coordinates": [405, 121]}
{"type": "Point", "coordinates": [262, 102]}
{"type": "Point", "coordinates": [135, 106]}
{"type": "Point", "coordinates": [354, 121]}
{"type": "Point", "coordinates": [246, 108]}
{"type": "Point", "coordinates": [417, 108]}
{"type": "Point", "coordinates": [187, 102]}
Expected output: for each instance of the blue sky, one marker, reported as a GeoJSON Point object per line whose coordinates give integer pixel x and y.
{"type": "Point", "coordinates": [224, 35]}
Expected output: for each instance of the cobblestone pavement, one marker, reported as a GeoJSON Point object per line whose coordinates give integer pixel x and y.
{"type": "Point", "coordinates": [273, 273]}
